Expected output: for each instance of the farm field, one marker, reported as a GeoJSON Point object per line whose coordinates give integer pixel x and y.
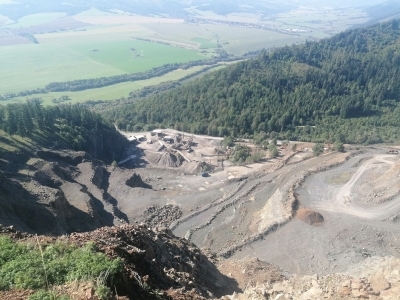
{"type": "Point", "coordinates": [109, 92]}
{"type": "Point", "coordinates": [49, 62]}
{"type": "Point", "coordinates": [327, 21]}
{"type": "Point", "coordinates": [36, 19]}
{"type": "Point", "coordinates": [97, 44]}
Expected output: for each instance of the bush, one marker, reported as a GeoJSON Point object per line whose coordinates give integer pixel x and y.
{"type": "Point", "coordinates": [318, 149]}
{"type": "Point", "coordinates": [46, 295]}
{"type": "Point", "coordinates": [228, 141]}
{"type": "Point", "coordinates": [273, 151]}
{"type": "Point", "coordinates": [339, 147]}
{"type": "Point", "coordinates": [103, 292]}
{"type": "Point", "coordinates": [241, 154]}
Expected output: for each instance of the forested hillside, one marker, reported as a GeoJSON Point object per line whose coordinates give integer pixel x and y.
{"type": "Point", "coordinates": [65, 126]}
{"type": "Point", "coordinates": [343, 88]}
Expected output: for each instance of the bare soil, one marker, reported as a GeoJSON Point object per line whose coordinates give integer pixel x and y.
{"type": "Point", "coordinates": [306, 215]}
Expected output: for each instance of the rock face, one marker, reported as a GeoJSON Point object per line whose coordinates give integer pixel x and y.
{"type": "Point", "coordinates": [376, 278]}
{"type": "Point", "coordinates": [58, 192]}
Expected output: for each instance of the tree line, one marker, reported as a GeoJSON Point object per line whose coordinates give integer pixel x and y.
{"type": "Point", "coordinates": [72, 125]}
{"type": "Point", "coordinates": [345, 88]}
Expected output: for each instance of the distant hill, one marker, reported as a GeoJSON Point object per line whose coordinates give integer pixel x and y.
{"type": "Point", "coordinates": [381, 12]}
{"type": "Point", "coordinates": [344, 88]}
{"type": "Point", "coordinates": [175, 8]}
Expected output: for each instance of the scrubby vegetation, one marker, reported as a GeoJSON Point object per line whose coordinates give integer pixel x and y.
{"type": "Point", "coordinates": [342, 89]}
{"type": "Point", "coordinates": [39, 267]}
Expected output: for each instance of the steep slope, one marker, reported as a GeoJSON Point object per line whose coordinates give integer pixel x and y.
{"type": "Point", "coordinates": [337, 89]}
{"type": "Point", "coordinates": [155, 263]}
{"type": "Point", "coordinates": [46, 186]}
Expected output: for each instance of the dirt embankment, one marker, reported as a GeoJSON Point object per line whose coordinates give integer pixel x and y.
{"type": "Point", "coordinates": [156, 264]}
{"type": "Point", "coordinates": [59, 192]}
{"type": "Point", "coordinates": [376, 278]}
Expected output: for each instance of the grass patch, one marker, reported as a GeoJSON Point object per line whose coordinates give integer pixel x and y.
{"type": "Point", "coordinates": [27, 67]}
{"type": "Point", "coordinates": [135, 55]}
{"type": "Point", "coordinates": [26, 266]}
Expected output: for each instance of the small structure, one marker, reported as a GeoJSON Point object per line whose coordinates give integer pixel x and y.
{"type": "Point", "coordinates": [132, 139]}
{"type": "Point", "coordinates": [157, 132]}
{"type": "Point", "coordinates": [127, 159]}
{"type": "Point", "coordinates": [168, 138]}
{"type": "Point", "coordinates": [140, 138]}
{"type": "Point", "coordinates": [393, 151]}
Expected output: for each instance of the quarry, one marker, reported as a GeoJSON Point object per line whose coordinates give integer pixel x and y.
{"type": "Point", "coordinates": [312, 216]}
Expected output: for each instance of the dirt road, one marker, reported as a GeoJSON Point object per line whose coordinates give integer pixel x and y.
{"type": "Point", "coordinates": [353, 228]}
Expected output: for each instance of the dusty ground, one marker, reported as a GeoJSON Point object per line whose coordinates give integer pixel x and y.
{"type": "Point", "coordinates": [307, 215]}
{"type": "Point", "coordinates": [304, 214]}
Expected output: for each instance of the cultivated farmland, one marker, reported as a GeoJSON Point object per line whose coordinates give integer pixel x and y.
{"type": "Point", "coordinates": [109, 92]}
{"type": "Point", "coordinates": [96, 43]}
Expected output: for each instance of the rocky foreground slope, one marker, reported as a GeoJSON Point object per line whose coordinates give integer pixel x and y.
{"type": "Point", "coordinates": [376, 278]}
{"type": "Point", "coordinates": [158, 265]}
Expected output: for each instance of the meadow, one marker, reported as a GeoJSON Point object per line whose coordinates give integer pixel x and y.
{"type": "Point", "coordinates": [112, 92]}
{"type": "Point", "coordinates": [31, 66]}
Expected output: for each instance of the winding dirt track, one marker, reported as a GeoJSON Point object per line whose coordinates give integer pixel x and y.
{"type": "Point", "coordinates": [353, 228]}
{"type": "Point", "coordinates": [342, 199]}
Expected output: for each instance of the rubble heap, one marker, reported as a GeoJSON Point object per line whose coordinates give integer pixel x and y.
{"type": "Point", "coordinates": [158, 264]}
{"type": "Point", "coordinates": [162, 216]}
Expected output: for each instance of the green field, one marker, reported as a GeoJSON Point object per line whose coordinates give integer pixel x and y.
{"type": "Point", "coordinates": [135, 55]}
{"type": "Point", "coordinates": [31, 66]}
{"type": "Point", "coordinates": [109, 92]}
{"type": "Point", "coordinates": [205, 44]}
{"type": "Point", "coordinates": [26, 67]}
{"type": "Point", "coordinates": [36, 19]}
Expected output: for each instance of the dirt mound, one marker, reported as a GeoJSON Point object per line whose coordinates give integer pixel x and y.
{"type": "Point", "coordinates": [163, 159]}
{"type": "Point", "coordinates": [98, 175]}
{"type": "Point", "coordinates": [52, 174]}
{"type": "Point", "coordinates": [375, 278]}
{"type": "Point", "coordinates": [162, 216]}
{"type": "Point", "coordinates": [192, 168]}
{"type": "Point", "coordinates": [309, 216]}
{"type": "Point", "coordinates": [250, 271]}
{"type": "Point", "coordinates": [135, 181]}
{"type": "Point", "coordinates": [157, 260]}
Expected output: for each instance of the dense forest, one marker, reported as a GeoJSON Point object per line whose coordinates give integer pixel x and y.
{"type": "Point", "coordinates": [64, 126]}
{"type": "Point", "coordinates": [344, 88]}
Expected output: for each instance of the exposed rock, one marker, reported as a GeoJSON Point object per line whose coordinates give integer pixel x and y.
{"type": "Point", "coordinates": [135, 181]}
{"type": "Point", "coordinates": [156, 216]}
{"type": "Point", "coordinates": [161, 260]}
{"type": "Point", "coordinates": [378, 282]}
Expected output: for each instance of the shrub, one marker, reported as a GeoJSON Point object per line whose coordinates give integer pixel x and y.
{"type": "Point", "coordinates": [46, 295]}
{"type": "Point", "coordinates": [318, 149]}
{"type": "Point", "coordinates": [273, 151]}
{"type": "Point", "coordinates": [22, 267]}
